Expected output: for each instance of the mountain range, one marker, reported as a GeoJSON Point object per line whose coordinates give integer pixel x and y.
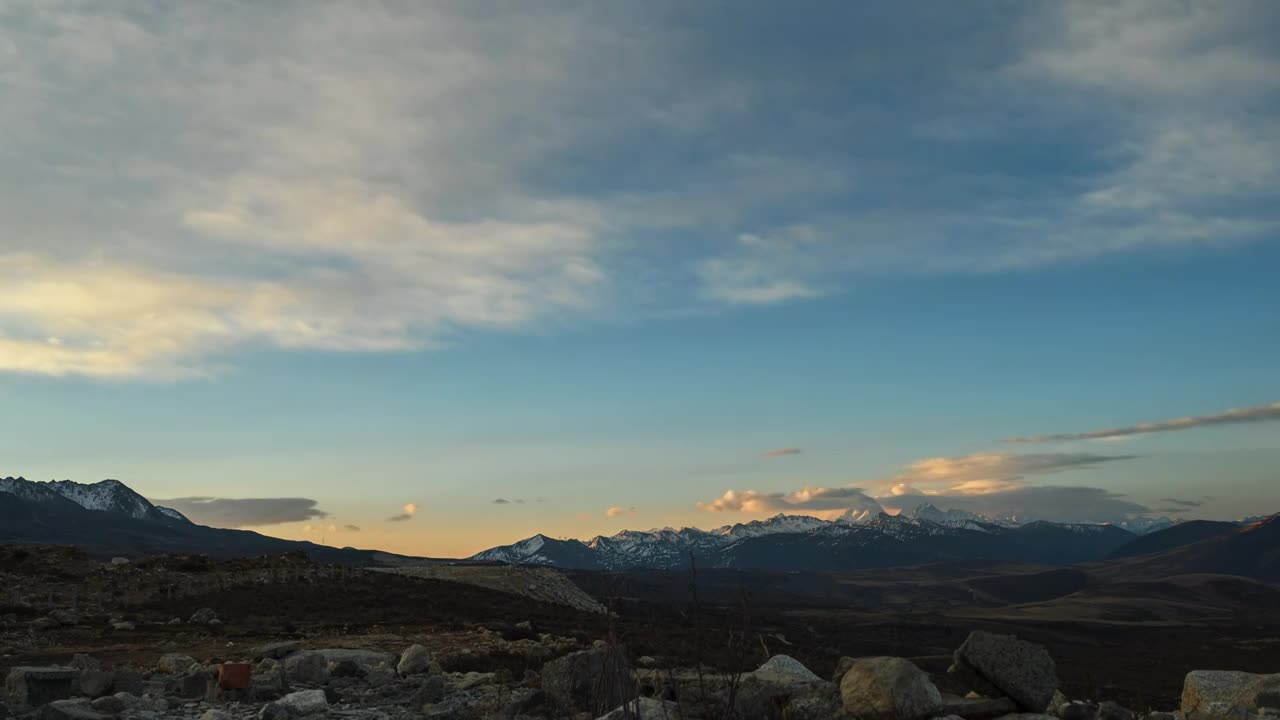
{"type": "Point", "coordinates": [789, 542]}
{"type": "Point", "coordinates": [108, 518]}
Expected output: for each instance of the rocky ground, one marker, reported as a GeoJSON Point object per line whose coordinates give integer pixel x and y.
{"type": "Point", "coordinates": [283, 638]}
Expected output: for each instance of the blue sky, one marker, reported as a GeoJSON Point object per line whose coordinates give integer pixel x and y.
{"type": "Point", "coordinates": [603, 258]}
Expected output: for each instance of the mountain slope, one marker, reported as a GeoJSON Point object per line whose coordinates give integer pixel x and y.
{"type": "Point", "coordinates": [1186, 533]}
{"type": "Point", "coordinates": [106, 519]}
{"type": "Point", "coordinates": [1251, 551]}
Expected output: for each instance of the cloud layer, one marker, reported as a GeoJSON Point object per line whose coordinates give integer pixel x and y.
{"type": "Point", "coordinates": [406, 514]}
{"type": "Point", "coordinates": [181, 183]}
{"type": "Point", "coordinates": [1235, 416]}
{"type": "Point", "coordinates": [244, 512]}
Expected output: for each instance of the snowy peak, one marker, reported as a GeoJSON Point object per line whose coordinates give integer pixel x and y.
{"type": "Point", "coordinates": [954, 518]}
{"type": "Point", "coordinates": [111, 496]}
{"type": "Point", "coordinates": [772, 526]}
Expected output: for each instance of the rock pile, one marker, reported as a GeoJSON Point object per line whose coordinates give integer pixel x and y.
{"type": "Point", "coordinates": [1007, 679]}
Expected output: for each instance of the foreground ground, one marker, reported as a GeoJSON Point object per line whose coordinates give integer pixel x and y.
{"type": "Point", "coordinates": [1129, 643]}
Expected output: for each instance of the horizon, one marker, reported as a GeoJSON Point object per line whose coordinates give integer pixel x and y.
{"type": "Point", "coordinates": [433, 278]}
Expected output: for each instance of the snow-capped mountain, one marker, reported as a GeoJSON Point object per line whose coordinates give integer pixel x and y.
{"type": "Point", "coordinates": [794, 542]}
{"type": "Point", "coordinates": [110, 496]}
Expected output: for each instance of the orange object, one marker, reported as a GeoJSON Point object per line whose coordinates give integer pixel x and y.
{"type": "Point", "coordinates": [234, 676]}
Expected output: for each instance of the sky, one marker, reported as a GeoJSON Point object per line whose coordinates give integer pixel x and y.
{"type": "Point", "coordinates": [433, 277]}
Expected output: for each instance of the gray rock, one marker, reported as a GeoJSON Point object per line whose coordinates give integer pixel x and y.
{"type": "Point", "coordinates": [35, 686]}
{"type": "Point", "coordinates": [364, 658]}
{"type": "Point", "coordinates": [304, 703]}
{"type": "Point", "coordinates": [70, 710]}
{"type": "Point", "coordinates": [128, 682]}
{"type": "Point", "coordinates": [430, 691]}
{"type": "Point", "coordinates": [972, 708]}
{"type": "Point", "coordinates": [592, 680]}
{"type": "Point", "coordinates": [215, 715]}
{"type": "Point", "coordinates": [645, 708]}
{"type": "Point", "coordinates": [174, 663]}
{"type": "Point", "coordinates": [888, 688]}
{"type": "Point", "coordinates": [65, 617]}
{"type": "Point", "coordinates": [842, 667]}
{"type": "Point", "coordinates": [124, 625]}
{"type": "Point", "coordinates": [118, 561]}
{"type": "Point", "coordinates": [473, 680]}
{"type": "Point", "coordinates": [275, 650]}
{"type": "Point", "coordinates": [1024, 671]}
{"type": "Point", "coordinates": [203, 616]}
{"type": "Point", "coordinates": [1109, 710]}
{"type": "Point", "coordinates": [111, 704]}
{"type": "Point", "coordinates": [308, 668]}
{"type": "Point", "coordinates": [415, 660]}
{"type": "Point", "coordinates": [1026, 716]}
{"type": "Point", "coordinates": [1223, 694]}
{"type": "Point", "coordinates": [1078, 710]}
{"type": "Point", "coordinates": [787, 665]}
{"type": "Point", "coordinates": [85, 662]}
{"type": "Point", "coordinates": [96, 683]}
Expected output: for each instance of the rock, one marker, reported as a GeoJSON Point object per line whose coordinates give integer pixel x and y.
{"type": "Point", "coordinates": [645, 709]}
{"type": "Point", "coordinates": [415, 660]}
{"type": "Point", "coordinates": [888, 688]}
{"type": "Point", "coordinates": [346, 669]}
{"type": "Point", "coordinates": [65, 617]}
{"type": "Point", "coordinates": [36, 686]}
{"type": "Point", "coordinates": [80, 661]}
{"type": "Point", "coordinates": [842, 667]}
{"type": "Point", "coordinates": [43, 624]}
{"type": "Point", "coordinates": [96, 683]}
{"type": "Point", "coordinates": [215, 715]}
{"type": "Point", "coordinates": [971, 708]}
{"type": "Point", "coordinates": [474, 679]}
{"type": "Point", "coordinates": [1026, 716]}
{"type": "Point", "coordinates": [1078, 710]}
{"type": "Point", "coordinates": [79, 709]}
{"type": "Point", "coordinates": [1222, 694]}
{"type": "Point", "coordinates": [275, 650]}
{"type": "Point", "coordinates": [175, 663]}
{"type": "Point", "coordinates": [203, 616]}
{"type": "Point", "coordinates": [593, 680]}
{"type": "Point", "coordinates": [1056, 702]}
{"type": "Point", "coordinates": [644, 661]}
{"type": "Point", "coordinates": [111, 704]}
{"type": "Point", "coordinates": [269, 683]}
{"type": "Point", "coordinates": [787, 665]}
{"type": "Point", "coordinates": [191, 686]}
{"type": "Point", "coordinates": [304, 703]}
{"type": "Point", "coordinates": [118, 561]}
{"type": "Point", "coordinates": [1024, 671]}
{"type": "Point", "coordinates": [430, 691]}
{"type": "Point", "coordinates": [364, 658]}
{"type": "Point", "coordinates": [124, 626]}
{"type": "Point", "coordinates": [128, 682]}
{"type": "Point", "coordinates": [1109, 710]}
{"type": "Point", "coordinates": [308, 668]}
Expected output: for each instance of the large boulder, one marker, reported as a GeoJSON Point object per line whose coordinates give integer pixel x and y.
{"type": "Point", "coordinates": [175, 663]}
{"type": "Point", "coordinates": [1022, 670]}
{"type": "Point", "coordinates": [275, 650]}
{"type": "Point", "coordinates": [415, 660]}
{"type": "Point", "coordinates": [306, 668]}
{"type": "Point", "coordinates": [204, 616]}
{"type": "Point", "coordinates": [888, 688]}
{"type": "Point", "coordinates": [789, 666]}
{"type": "Point", "coordinates": [1227, 694]}
{"type": "Point", "coordinates": [36, 686]}
{"type": "Point", "coordinates": [78, 709]}
{"type": "Point", "coordinates": [304, 703]}
{"type": "Point", "coordinates": [592, 680]}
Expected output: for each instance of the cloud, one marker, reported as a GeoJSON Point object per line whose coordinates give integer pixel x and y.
{"type": "Point", "coordinates": [1237, 416]}
{"type": "Point", "coordinates": [1046, 502]}
{"type": "Point", "coordinates": [244, 512]}
{"type": "Point", "coordinates": [980, 473]}
{"type": "Point", "coordinates": [619, 511]}
{"type": "Point", "coordinates": [501, 501]}
{"type": "Point", "coordinates": [409, 510]}
{"type": "Point", "coordinates": [351, 528]}
{"type": "Point", "coordinates": [987, 483]}
{"type": "Point", "coordinates": [808, 500]}
{"type": "Point", "coordinates": [338, 177]}
{"type": "Point", "coordinates": [782, 452]}
{"type": "Point", "coordinates": [1183, 503]}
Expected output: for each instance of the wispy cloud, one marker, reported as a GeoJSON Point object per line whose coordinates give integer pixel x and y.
{"type": "Point", "coordinates": [979, 473]}
{"type": "Point", "coordinates": [619, 511]}
{"type": "Point", "coordinates": [783, 452]}
{"type": "Point", "coordinates": [408, 511]}
{"type": "Point", "coordinates": [1183, 503]}
{"type": "Point", "coordinates": [1258, 414]}
{"type": "Point", "coordinates": [244, 512]}
{"type": "Point", "coordinates": [351, 528]}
